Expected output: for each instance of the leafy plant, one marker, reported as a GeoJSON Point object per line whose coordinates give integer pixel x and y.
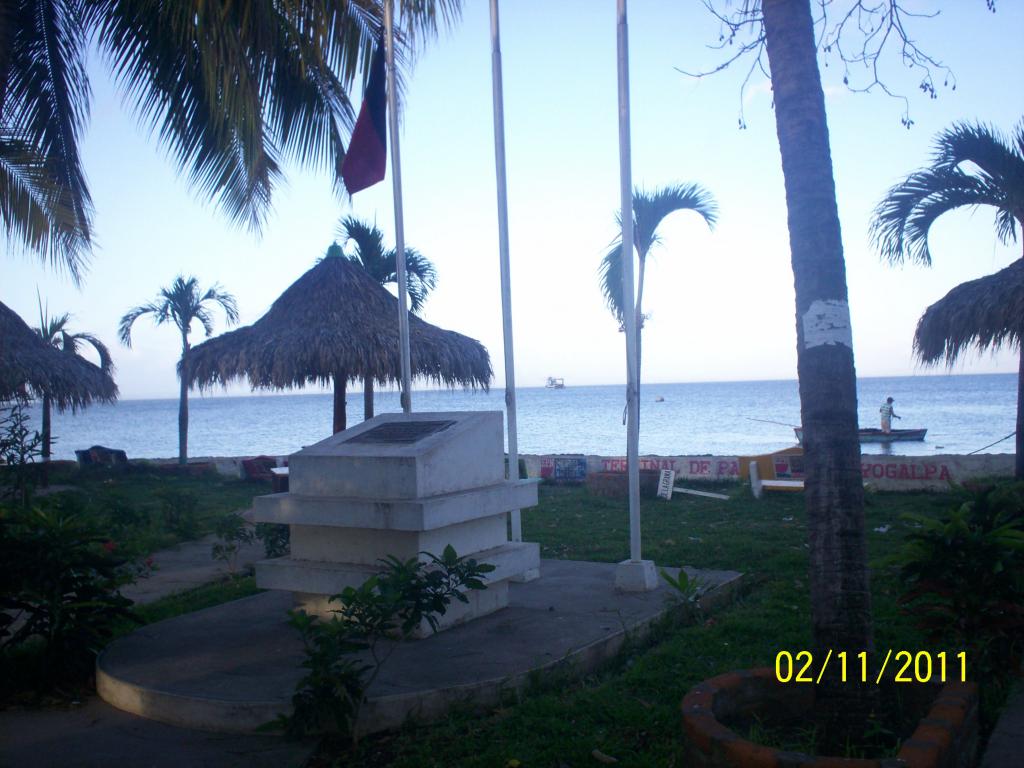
{"type": "Point", "coordinates": [388, 607]}
{"type": "Point", "coordinates": [276, 538]}
{"type": "Point", "coordinates": [180, 511]}
{"type": "Point", "coordinates": [20, 446]}
{"type": "Point", "coordinates": [687, 590]}
{"type": "Point", "coordinates": [232, 533]}
{"type": "Point", "coordinates": [965, 578]}
{"type": "Point", "coordinates": [59, 581]}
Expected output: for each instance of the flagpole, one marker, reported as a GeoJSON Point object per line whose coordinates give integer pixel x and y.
{"type": "Point", "coordinates": [396, 181]}
{"type": "Point", "coordinates": [634, 574]}
{"type": "Point", "coordinates": [506, 277]}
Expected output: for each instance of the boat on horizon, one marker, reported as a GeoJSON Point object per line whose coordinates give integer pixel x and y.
{"type": "Point", "coordinates": [875, 435]}
{"type": "Point", "coordinates": [555, 383]}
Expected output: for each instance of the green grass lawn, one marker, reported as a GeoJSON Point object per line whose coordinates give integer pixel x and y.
{"type": "Point", "coordinates": [147, 508]}
{"type": "Point", "coordinates": [630, 709]}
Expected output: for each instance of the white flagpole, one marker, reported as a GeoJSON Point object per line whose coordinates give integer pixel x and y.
{"type": "Point", "coordinates": [396, 179]}
{"type": "Point", "coordinates": [506, 278]}
{"type": "Point", "coordinates": [632, 574]}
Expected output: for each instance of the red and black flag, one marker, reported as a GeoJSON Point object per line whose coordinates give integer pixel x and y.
{"type": "Point", "coordinates": [366, 158]}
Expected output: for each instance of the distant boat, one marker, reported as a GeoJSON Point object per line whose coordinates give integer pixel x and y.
{"type": "Point", "coordinates": [555, 383]}
{"type": "Point", "coordinates": [659, 399]}
{"type": "Point", "coordinates": [877, 435]}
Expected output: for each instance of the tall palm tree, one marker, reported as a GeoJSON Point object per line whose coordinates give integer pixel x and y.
{"type": "Point", "coordinates": [840, 596]}
{"type": "Point", "coordinates": [182, 304]}
{"type": "Point", "coordinates": [649, 210]}
{"type": "Point", "coordinates": [230, 88]}
{"type": "Point", "coordinates": [382, 264]}
{"type": "Point", "coordinates": [54, 331]}
{"type": "Point", "coordinates": [972, 165]}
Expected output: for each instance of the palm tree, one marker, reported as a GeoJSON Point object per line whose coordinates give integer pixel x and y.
{"type": "Point", "coordinates": [972, 165]}
{"type": "Point", "coordinates": [840, 596]}
{"type": "Point", "coordinates": [649, 210]}
{"type": "Point", "coordinates": [54, 331]}
{"type": "Point", "coordinates": [231, 89]}
{"type": "Point", "coordinates": [382, 264]}
{"type": "Point", "coordinates": [182, 304]}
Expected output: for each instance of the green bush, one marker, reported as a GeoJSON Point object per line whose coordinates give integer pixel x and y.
{"type": "Point", "coordinates": [276, 538]}
{"type": "Point", "coordinates": [391, 605]}
{"type": "Point", "coordinates": [180, 511]}
{"type": "Point", "coordinates": [59, 581]}
{"type": "Point", "coordinates": [20, 446]}
{"type": "Point", "coordinates": [964, 575]}
{"type": "Point", "coordinates": [232, 533]}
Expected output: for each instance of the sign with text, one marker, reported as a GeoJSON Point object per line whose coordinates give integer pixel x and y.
{"type": "Point", "coordinates": [665, 483]}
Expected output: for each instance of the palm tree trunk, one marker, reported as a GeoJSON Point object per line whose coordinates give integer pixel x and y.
{"type": "Point", "coordinates": [183, 407]}
{"type": "Point", "coordinates": [367, 399]}
{"type": "Point", "coordinates": [1018, 469]}
{"type": "Point", "coordinates": [840, 597]}
{"type": "Point", "coordinates": [46, 435]}
{"type": "Point", "coordinates": [340, 385]}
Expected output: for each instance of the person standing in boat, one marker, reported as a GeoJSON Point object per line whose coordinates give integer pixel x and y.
{"type": "Point", "coordinates": [888, 414]}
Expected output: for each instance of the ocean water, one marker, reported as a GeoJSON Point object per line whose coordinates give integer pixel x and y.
{"type": "Point", "coordinates": [962, 413]}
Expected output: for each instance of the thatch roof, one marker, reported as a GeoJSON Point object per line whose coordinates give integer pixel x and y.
{"type": "Point", "coordinates": [335, 319]}
{"type": "Point", "coordinates": [28, 365]}
{"type": "Point", "coordinates": [986, 313]}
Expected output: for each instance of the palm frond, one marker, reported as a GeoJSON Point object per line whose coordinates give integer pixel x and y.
{"type": "Point", "coordinates": [382, 265]}
{"type": "Point", "coordinates": [181, 303]}
{"type": "Point", "coordinates": [72, 342]}
{"type": "Point", "coordinates": [971, 166]}
{"type": "Point", "coordinates": [36, 210]}
{"type": "Point", "coordinates": [46, 94]}
{"type": "Point", "coordinates": [651, 208]}
{"type": "Point", "coordinates": [124, 327]}
{"type": "Point", "coordinates": [610, 275]}
{"type": "Point", "coordinates": [981, 145]}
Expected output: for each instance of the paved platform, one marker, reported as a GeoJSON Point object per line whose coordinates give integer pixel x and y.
{"type": "Point", "coordinates": [95, 735]}
{"type": "Point", "coordinates": [1006, 744]}
{"type": "Point", "coordinates": [233, 667]}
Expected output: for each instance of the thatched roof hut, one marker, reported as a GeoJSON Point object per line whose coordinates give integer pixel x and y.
{"type": "Point", "coordinates": [985, 313]}
{"type": "Point", "coordinates": [335, 323]}
{"type": "Point", "coordinates": [30, 366]}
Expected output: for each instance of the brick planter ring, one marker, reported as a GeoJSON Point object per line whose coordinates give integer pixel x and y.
{"type": "Point", "coordinates": [945, 738]}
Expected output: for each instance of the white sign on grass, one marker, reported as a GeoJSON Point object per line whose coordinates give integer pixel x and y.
{"type": "Point", "coordinates": [665, 483]}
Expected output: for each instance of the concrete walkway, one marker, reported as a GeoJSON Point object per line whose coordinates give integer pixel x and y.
{"type": "Point", "coordinates": [187, 566]}
{"type": "Point", "coordinates": [1006, 745]}
{"type": "Point", "coordinates": [92, 733]}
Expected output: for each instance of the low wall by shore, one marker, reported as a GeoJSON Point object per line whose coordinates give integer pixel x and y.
{"type": "Point", "coordinates": [884, 473]}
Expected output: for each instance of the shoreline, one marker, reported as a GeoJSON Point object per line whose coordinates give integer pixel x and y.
{"type": "Point", "coordinates": [892, 472]}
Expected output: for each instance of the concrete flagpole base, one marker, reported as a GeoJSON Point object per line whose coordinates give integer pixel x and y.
{"type": "Point", "coordinates": [636, 576]}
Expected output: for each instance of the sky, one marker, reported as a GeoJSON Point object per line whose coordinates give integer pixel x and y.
{"type": "Point", "coordinates": [721, 302]}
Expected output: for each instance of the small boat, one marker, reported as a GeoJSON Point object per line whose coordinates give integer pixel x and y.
{"type": "Point", "coordinates": [555, 383]}
{"type": "Point", "coordinates": [875, 435]}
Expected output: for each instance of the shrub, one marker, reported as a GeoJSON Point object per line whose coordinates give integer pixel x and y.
{"type": "Point", "coordinates": [59, 580]}
{"type": "Point", "coordinates": [20, 446]}
{"type": "Point", "coordinates": [276, 538]}
{"type": "Point", "coordinates": [232, 533]}
{"type": "Point", "coordinates": [180, 512]}
{"type": "Point", "coordinates": [965, 578]}
{"type": "Point", "coordinates": [393, 604]}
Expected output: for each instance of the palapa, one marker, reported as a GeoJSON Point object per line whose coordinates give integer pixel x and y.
{"type": "Point", "coordinates": [985, 313]}
{"type": "Point", "coordinates": [30, 366]}
{"type": "Point", "coordinates": [335, 323]}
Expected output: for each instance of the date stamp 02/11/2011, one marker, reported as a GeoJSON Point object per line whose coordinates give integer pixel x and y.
{"type": "Point", "coordinates": [909, 667]}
